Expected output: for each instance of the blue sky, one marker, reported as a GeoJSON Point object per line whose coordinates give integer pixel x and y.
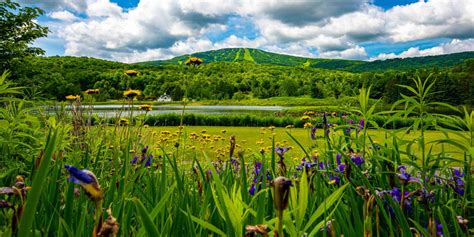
{"type": "Point", "coordinates": [139, 30]}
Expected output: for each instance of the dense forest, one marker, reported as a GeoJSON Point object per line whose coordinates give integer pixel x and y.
{"type": "Point", "coordinates": [56, 77]}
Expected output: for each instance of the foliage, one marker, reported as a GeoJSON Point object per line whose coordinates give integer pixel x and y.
{"type": "Point", "coordinates": [19, 29]}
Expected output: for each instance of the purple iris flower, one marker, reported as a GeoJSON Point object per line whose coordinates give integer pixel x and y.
{"type": "Point", "coordinates": [252, 190]}
{"type": "Point", "coordinates": [361, 125]}
{"type": "Point", "coordinates": [439, 229]}
{"type": "Point", "coordinates": [458, 184]}
{"type": "Point", "coordinates": [78, 176]}
{"type": "Point", "coordinates": [313, 133]}
{"type": "Point", "coordinates": [134, 161]}
{"type": "Point", "coordinates": [340, 166]}
{"type": "Point", "coordinates": [350, 121]}
{"type": "Point", "coordinates": [334, 179]}
{"type": "Point", "coordinates": [281, 151]}
{"type": "Point", "coordinates": [397, 196]}
{"type": "Point", "coordinates": [358, 160]}
{"type": "Point", "coordinates": [148, 161]}
{"type": "Point", "coordinates": [258, 167]}
{"type": "Point", "coordinates": [145, 150]}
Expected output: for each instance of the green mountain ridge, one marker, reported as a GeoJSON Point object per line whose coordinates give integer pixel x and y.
{"type": "Point", "coordinates": [258, 56]}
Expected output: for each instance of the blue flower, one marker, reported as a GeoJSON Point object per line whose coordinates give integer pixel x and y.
{"type": "Point", "coordinates": [148, 161]}
{"type": "Point", "coordinates": [134, 161]}
{"type": "Point", "coordinates": [252, 190]}
{"type": "Point", "coordinates": [87, 180]}
{"type": "Point", "coordinates": [361, 125]}
{"type": "Point", "coordinates": [357, 159]}
{"type": "Point", "coordinates": [340, 166]}
{"type": "Point", "coordinates": [313, 133]}
{"type": "Point", "coordinates": [281, 151]}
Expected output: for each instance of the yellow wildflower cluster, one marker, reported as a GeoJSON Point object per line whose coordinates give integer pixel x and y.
{"type": "Point", "coordinates": [92, 91]}
{"type": "Point", "coordinates": [145, 107]}
{"type": "Point", "coordinates": [131, 73]}
{"type": "Point", "coordinates": [308, 125]}
{"type": "Point", "coordinates": [131, 93]}
{"type": "Point", "coordinates": [73, 97]}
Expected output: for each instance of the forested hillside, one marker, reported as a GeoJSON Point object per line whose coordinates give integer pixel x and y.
{"type": "Point", "coordinates": [262, 57]}
{"type": "Point", "coordinates": [56, 77]}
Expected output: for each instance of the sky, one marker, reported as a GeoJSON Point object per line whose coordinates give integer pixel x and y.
{"type": "Point", "coordinates": [142, 30]}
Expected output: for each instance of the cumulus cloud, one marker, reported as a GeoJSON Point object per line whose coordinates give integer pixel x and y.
{"type": "Point", "coordinates": [455, 46]}
{"type": "Point", "coordinates": [332, 28]}
{"type": "Point", "coordinates": [63, 16]}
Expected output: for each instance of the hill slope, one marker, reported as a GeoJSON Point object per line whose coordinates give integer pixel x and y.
{"type": "Point", "coordinates": [262, 57]}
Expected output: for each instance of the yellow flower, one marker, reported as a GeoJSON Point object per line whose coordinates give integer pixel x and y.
{"type": "Point", "coordinates": [223, 131]}
{"type": "Point", "coordinates": [194, 61]}
{"type": "Point", "coordinates": [290, 126]}
{"type": "Point", "coordinates": [123, 121]}
{"type": "Point", "coordinates": [305, 118]}
{"type": "Point", "coordinates": [73, 97]}
{"type": "Point", "coordinates": [308, 125]}
{"type": "Point", "coordinates": [146, 107]}
{"type": "Point", "coordinates": [132, 93]}
{"type": "Point", "coordinates": [271, 128]}
{"type": "Point", "coordinates": [92, 91]}
{"type": "Point", "coordinates": [131, 73]}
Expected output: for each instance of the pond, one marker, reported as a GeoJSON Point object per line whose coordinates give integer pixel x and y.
{"type": "Point", "coordinates": [113, 109]}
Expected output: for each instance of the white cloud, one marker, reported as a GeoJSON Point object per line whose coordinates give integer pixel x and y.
{"type": "Point", "coordinates": [355, 52]}
{"type": "Point", "coordinates": [63, 16]}
{"type": "Point", "coordinates": [455, 46]}
{"type": "Point", "coordinates": [335, 28]}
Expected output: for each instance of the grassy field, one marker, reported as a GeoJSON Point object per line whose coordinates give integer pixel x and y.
{"type": "Point", "coordinates": [252, 140]}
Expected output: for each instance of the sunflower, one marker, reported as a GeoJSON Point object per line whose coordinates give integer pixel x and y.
{"type": "Point", "coordinates": [73, 97]}
{"type": "Point", "coordinates": [123, 121]}
{"type": "Point", "coordinates": [146, 107]}
{"type": "Point", "coordinates": [92, 91]}
{"type": "Point", "coordinates": [131, 73]}
{"type": "Point", "coordinates": [132, 93]}
{"type": "Point", "coordinates": [194, 61]}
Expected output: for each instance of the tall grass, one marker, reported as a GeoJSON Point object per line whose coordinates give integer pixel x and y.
{"type": "Point", "coordinates": [352, 187]}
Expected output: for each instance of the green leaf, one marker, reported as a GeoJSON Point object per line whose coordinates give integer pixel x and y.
{"type": "Point", "coordinates": [208, 226]}
{"type": "Point", "coordinates": [147, 221]}
{"type": "Point", "coordinates": [328, 202]}
{"type": "Point", "coordinates": [39, 182]}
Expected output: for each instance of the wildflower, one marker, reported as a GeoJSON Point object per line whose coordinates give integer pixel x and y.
{"type": "Point", "coordinates": [457, 182]}
{"type": "Point", "coordinates": [281, 151]}
{"type": "Point", "coordinates": [357, 159]}
{"type": "Point", "coordinates": [145, 107]}
{"type": "Point", "coordinates": [305, 118]}
{"type": "Point", "coordinates": [134, 161]}
{"type": "Point", "coordinates": [340, 166]}
{"type": "Point", "coordinates": [148, 161]}
{"type": "Point", "coordinates": [73, 97]}
{"type": "Point", "coordinates": [313, 133]}
{"type": "Point", "coordinates": [92, 91]}
{"type": "Point", "coordinates": [252, 189]}
{"type": "Point", "coordinates": [131, 73]}
{"type": "Point", "coordinates": [334, 180]}
{"type": "Point", "coordinates": [361, 125]}
{"type": "Point", "coordinates": [281, 192]}
{"type": "Point", "coordinates": [223, 131]}
{"type": "Point", "coordinates": [404, 176]}
{"type": "Point", "coordinates": [308, 125]}
{"type": "Point", "coordinates": [131, 93]}
{"type": "Point", "coordinates": [290, 126]}
{"type": "Point", "coordinates": [194, 61]}
{"type": "Point", "coordinates": [87, 180]}
{"type": "Point", "coordinates": [123, 121]}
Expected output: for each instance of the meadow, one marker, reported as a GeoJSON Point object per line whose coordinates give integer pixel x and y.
{"type": "Point", "coordinates": [66, 175]}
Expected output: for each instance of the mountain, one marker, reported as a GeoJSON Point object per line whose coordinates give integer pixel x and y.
{"type": "Point", "coordinates": [262, 57]}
